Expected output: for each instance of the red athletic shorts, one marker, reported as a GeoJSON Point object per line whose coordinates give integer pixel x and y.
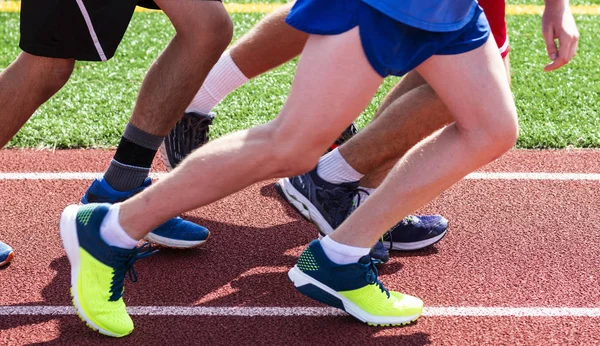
{"type": "Point", "coordinates": [495, 11]}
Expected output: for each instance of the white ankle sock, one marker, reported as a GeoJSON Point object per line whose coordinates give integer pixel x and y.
{"type": "Point", "coordinates": [222, 79]}
{"type": "Point", "coordinates": [336, 170]}
{"type": "Point", "coordinates": [341, 253]}
{"type": "Point", "coordinates": [112, 232]}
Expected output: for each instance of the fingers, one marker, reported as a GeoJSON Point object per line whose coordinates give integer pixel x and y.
{"type": "Point", "coordinates": [568, 48]}
{"type": "Point", "coordinates": [551, 47]}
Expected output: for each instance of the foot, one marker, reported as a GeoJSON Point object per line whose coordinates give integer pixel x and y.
{"type": "Point", "coordinates": [327, 205]}
{"type": "Point", "coordinates": [324, 204]}
{"type": "Point", "coordinates": [97, 270]}
{"type": "Point", "coordinates": [190, 133]}
{"type": "Point", "coordinates": [7, 254]}
{"type": "Point", "coordinates": [175, 233]}
{"type": "Point", "coordinates": [353, 288]}
{"type": "Point", "coordinates": [416, 232]}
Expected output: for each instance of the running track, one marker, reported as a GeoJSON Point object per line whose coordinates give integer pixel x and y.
{"type": "Point", "coordinates": [519, 265]}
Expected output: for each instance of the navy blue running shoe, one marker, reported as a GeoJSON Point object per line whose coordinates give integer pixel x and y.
{"type": "Point", "coordinates": [190, 133]}
{"type": "Point", "coordinates": [327, 205]}
{"type": "Point", "coordinates": [6, 254]}
{"type": "Point", "coordinates": [324, 204]}
{"type": "Point", "coordinates": [416, 232]}
{"type": "Point", "coordinates": [380, 253]}
{"type": "Point", "coordinates": [353, 288]}
{"type": "Point", "coordinates": [175, 233]}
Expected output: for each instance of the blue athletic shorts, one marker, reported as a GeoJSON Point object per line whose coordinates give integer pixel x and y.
{"type": "Point", "coordinates": [392, 48]}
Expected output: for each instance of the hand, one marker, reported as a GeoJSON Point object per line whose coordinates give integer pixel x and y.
{"type": "Point", "coordinates": [558, 23]}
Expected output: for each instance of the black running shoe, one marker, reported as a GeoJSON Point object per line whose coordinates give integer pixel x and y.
{"type": "Point", "coordinates": [344, 137]}
{"type": "Point", "coordinates": [190, 133]}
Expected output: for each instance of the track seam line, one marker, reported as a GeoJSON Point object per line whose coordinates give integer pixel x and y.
{"type": "Point", "coordinates": [450, 311]}
{"type": "Point", "coordinates": [472, 176]}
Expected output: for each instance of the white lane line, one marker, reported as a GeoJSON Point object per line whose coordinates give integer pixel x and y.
{"type": "Point", "coordinates": [449, 311]}
{"type": "Point", "coordinates": [472, 176]}
{"type": "Point", "coordinates": [532, 176]}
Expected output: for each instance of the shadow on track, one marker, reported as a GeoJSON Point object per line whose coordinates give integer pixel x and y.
{"type": "Point", "coordinates": [239, 266]}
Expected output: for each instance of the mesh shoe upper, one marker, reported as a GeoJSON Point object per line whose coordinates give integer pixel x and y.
{"type": "Point", "coordinates": [417, 228]}
{"type": "Point", "coordinates": [102, 271]}
{"type": "Point", "coordinates": [176, 228]}
{"type": "Point", "coordinates": [190, 133]}
{"type": "Point", "coordinates": [334, 201]}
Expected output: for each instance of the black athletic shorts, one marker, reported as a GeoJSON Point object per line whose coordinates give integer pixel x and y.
{"type": "Point", "coordinates": [76, 29]}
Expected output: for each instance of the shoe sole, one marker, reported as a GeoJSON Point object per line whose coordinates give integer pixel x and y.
{"type": "Point", "coordinates": [418, 245]}
{"type": "Point", "coordinates": [304, 206]}
{"type": "Point", "coordinates": [70, 240]}
{"type": "Point", "coordinates": [8, 259]}
{"type": "Point", "coordinates": [174, 243]}
{"type": "Point", "coordinates": [320, 292]}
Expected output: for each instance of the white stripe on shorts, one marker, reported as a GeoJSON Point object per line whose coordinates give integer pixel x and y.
{"type": "Point", "coordinates": [90, 26]}
{"type": "Point", "coordinates": [504, 46]}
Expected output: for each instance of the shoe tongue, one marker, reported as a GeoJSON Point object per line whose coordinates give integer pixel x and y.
{"type": "Point", "coordinates": [365, 259]}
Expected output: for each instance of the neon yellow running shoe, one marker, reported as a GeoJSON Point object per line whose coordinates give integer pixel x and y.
{"type": "Point", "coordinates": [97, 270]}
{"type": "Point", "coordinates": [353, 288]}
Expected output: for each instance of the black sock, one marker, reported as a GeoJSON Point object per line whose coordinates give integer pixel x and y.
{"type": "Point", "coordinates": [133, 159]}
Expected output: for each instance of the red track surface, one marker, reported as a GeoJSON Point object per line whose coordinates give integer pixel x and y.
{"type": "Point", "coordinates": [512, 243]}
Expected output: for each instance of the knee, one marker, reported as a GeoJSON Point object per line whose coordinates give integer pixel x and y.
{"type": "Point", "coordinates": [505, 135]}
{"type": "Point", "coordinates": [61, 71]}
{"type": "Point", "coordinates": [500, 137]}
{"type": "Point", "coordinates": [294, 155]}
{"type": "Point", "coordinates": [52, 73]}
{"type": "Point", "coordinates": [208, 30]}
{"type": "Point", "coordinates": [294, 159]}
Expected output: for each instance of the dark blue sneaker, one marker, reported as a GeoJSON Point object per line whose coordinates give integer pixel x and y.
{"type": "Point", "coordinates": [6, 254]}
{"type": "Point", "coordinates": [353, 288]}
{"type": "Point", "coordinates": [175, 233]}
{"type": "Point", "coordinates": [416, 232]}
{"type": "Point", "coordinates": [98, 270]}
{"type": "Point", "coordinates": [327, 205]}
{"type": "Point", "coordinates": [380, 253]}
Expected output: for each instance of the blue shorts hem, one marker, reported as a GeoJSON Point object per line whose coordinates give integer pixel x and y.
{"type": "Point", "coordinates": [391, 47]}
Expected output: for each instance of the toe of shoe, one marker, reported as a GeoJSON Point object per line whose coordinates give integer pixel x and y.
{"type": "Point", "coordinates": [115, 324]}
{"type": "Point", "coordinates": [409, 305]}
{"type": "Point", "coordinates": [441, 226]}
{"type": "Point", "coordinates": [6, 258]}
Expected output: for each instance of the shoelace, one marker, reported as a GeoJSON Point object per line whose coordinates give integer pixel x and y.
{"type": "Point", "coordinates": [124, 265]}
{"type": "Point", "coordinates": [391, 240]}
{"type": "Point", "coordinates": [411, 219]}
{"type": "Point", "coordinates": [372, 278]}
